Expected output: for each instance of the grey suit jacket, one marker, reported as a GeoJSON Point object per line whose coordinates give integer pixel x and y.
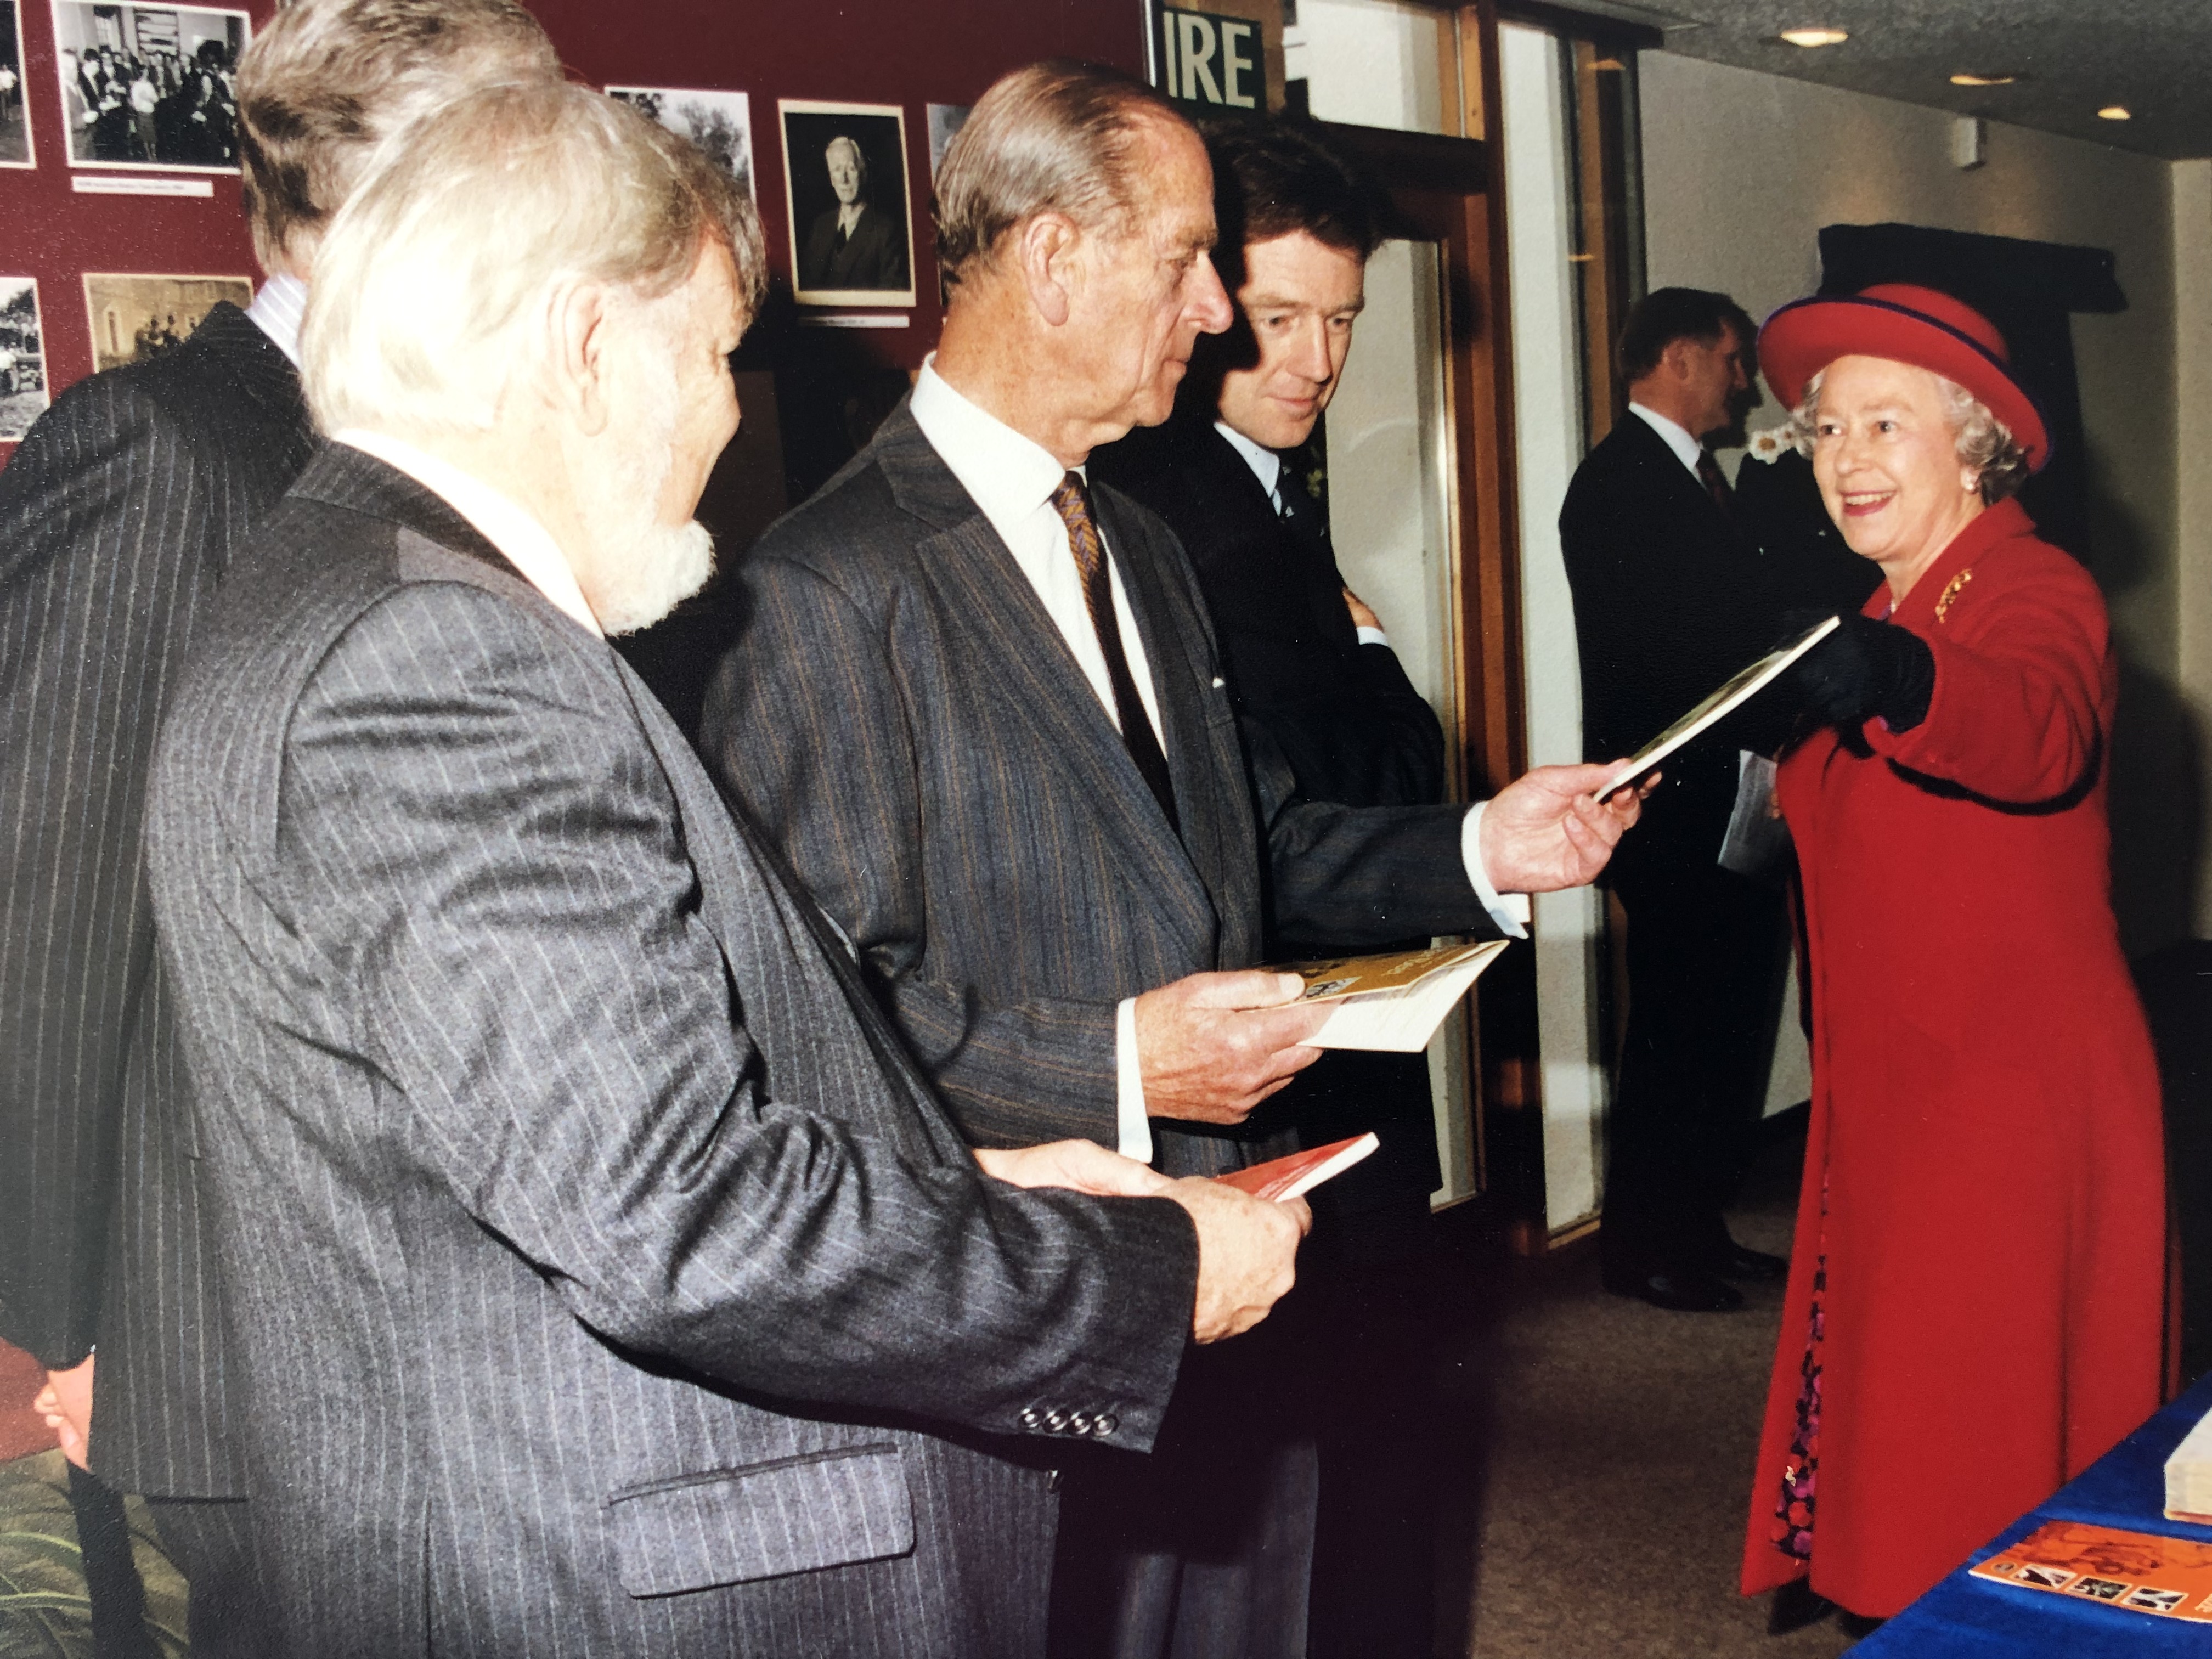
{"type": "Point", "coordinates": [117, 516]}
{"type": "Point", "coordinates": [607, 1281]}
{"type": "Point", "coordinates": [899, 712]}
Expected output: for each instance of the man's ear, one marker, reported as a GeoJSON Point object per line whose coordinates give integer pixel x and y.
{"type": "Point", "coordinates": [1048, 253]}
{"type": "Point", "coordinates": [576, 324]}
{"type": "Point", "coordinates": [1674, 357]}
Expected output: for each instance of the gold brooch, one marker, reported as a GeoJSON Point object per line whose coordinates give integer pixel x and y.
{"type": "Point", "coordinates": [1951, 591]}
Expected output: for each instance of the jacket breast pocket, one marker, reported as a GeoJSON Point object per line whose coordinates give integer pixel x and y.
{"type": "Point", "coordinates": [790, 1515]}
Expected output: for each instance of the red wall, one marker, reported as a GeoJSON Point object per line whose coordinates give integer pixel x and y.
{"type": "Point", "coordinates": [885, 51]}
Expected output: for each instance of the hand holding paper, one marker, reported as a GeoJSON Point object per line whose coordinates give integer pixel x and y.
{"type": "Point", "coordinates": [1213, 1046]}
{"type": "Point", "coordinates": [1247, 1252]}
{"type": "Point", "coordinates": [1548, 829]}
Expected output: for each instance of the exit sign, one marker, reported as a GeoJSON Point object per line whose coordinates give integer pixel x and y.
{"type": "Point", "coordinates": [1216, 63]}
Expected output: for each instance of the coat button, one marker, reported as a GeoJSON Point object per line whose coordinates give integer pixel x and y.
{"type": "Point", "coordinates": [1104, 1424]}
{"type": "Point", "coordinates": [1056, 1420]}
{"type": "Point", "coordinates": [1029, 1417]}
{"type": "Point", "coordinates": [1079, 1422]}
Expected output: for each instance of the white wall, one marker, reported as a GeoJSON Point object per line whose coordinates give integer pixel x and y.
{"type": "Point", "coordinates": [1742, 169]}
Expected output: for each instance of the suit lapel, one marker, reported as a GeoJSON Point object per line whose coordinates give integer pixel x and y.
{"type": "Point", "coordinates": [1021, 651]}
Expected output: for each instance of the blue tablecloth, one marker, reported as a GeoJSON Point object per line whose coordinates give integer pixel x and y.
{"type": "Point", "coordinates": [1968, 1618]}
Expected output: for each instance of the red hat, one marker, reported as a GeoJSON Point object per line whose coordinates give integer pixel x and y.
{"type": "Point", "coordinates": [1908, 324]}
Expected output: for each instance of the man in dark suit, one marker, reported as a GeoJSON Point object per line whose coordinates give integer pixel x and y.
{"type": "Point", "coordinates": [1309, 664]}
{"type": "Point", "coordinates": [550, 1128]}
{"type": "Point", "coordinates": [1672, 597]}
{"type": "Point", "coordinates": [118, 518]}
{"type": "Point", "coordinates": [855, 244]}
{"type": "Point", "coordinates": [977, 703]}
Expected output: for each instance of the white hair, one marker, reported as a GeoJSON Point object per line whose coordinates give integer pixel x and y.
{"type": "Point", "coordinates": [432, 283]}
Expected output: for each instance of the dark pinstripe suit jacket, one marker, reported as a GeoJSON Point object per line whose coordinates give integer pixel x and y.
{"type": "Point", "coordinates": [607, 1281]}
{"type": "Point", "coordinates": [898, 710]}
{"type": "Point", "coordinates": [117, 518]}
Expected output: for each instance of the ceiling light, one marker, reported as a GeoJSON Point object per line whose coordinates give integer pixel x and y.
{"type": "Point", "coordinates": [2115, 113]}
{"type": "Point", "coordinates": [1963, 80]}
{"type": "Point", "coordinates": [1815, 37]}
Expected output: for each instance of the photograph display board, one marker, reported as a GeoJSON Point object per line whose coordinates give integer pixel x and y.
{"type": "Point", "coordinates": [150, 87]}
{"type": "Point", "coordinates": [22, 358]}
{"type": "Point", "coordinates": [719, 122]}
{"type": "Point", "coordinates": [845, 193]}
{"type": "Point", "coordinates": [16, 148]}
{"type": "Point", "coordinates": [136, 318]}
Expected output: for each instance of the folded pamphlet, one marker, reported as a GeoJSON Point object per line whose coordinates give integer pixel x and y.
{"type": "Point", "coordinates": [1301, 1172]}
{"type": "Point", "coordinates": [1392, 1001]}
{"type": "Point", "coordinates": [2140, 1572]}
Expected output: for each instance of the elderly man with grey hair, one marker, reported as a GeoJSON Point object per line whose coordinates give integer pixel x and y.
{"type": "Point", "coordinates": [119, 516]}
{"type": "Point", "coordinates": [977, 702]}
{"type": "Point", "coordinates": [613, 1272]}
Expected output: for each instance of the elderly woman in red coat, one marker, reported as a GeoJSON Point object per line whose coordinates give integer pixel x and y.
{"type": "Point", "coordinates": [1974, 1309]}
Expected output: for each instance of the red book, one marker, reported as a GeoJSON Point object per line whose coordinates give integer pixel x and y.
{"type": "Point", "coordinates": [1301, 1172]}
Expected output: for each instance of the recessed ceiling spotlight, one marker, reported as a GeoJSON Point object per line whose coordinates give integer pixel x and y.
{"type": "Point", "coordinates": [2115, 113]}
{"type": "Point", "coordinates": [1815, 37]}
{"type": "Point", "coordinates": [1965, 80]}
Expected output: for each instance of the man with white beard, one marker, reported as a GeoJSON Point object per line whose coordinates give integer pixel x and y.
{"type": "Point", "coordinates": [608, 1280]}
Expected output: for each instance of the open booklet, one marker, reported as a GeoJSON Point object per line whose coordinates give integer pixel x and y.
{"type": "Point", "coordinates": [1394, 1001]}
{"type": "Point", "coordinates": [1739, 689]}
{"type": "Point", "coordinates": [1301, 1172]}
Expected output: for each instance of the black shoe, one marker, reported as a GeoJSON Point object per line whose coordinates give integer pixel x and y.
{"type": "Point", "coordinates": [1680, 1291]}
{"type": "Point", "coordinates": [1796, 1606]}
{"type": "Point", "coordinates": [1744, 1265]}
{"type": "Point", "coordinates": [1858, 1625]}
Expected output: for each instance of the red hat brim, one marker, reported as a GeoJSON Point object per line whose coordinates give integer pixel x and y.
{"type": "Point", "coordinates": [1806, 335]}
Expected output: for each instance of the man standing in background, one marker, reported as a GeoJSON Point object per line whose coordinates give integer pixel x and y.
{"type": "Point", "coordinates": [1311, 671]}
{"type": "Point", "coordinates": [117, 517]}
{"type": "Point", "coordinates": [1671, 598]}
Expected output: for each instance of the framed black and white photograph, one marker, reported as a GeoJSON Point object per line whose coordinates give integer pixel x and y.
{"type": "Point", "coordinates": [22, 358]}
{"type": "Point", "coordinates": [150, 87]}
{"type": "Point", "coordinates": [136, 318]}
{"type": "Point", "coordinates": [719, 122]}
{"type": "Point", "coordinates": [844, 179]}
{"type": "Point", "coordinates": [945, 121]}
{"type": "Point", "coordinates": [16, 148]}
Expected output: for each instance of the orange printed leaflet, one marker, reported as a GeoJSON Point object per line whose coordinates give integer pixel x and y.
{"type": "Point", "coordinates": [2164, 1577]}
{"type": "Point", "coordinates": [1301, 1172]}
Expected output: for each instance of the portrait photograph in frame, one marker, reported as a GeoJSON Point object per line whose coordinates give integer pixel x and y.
{"type": "Point", "coordinates": [17, 148]}
{"type": "Point", "coordinates": [719, 122]}
{"type": "Point", "coordinates": [149, 88]}
{"type": "Point", "coordinates": [845, 191]}
{"type": "Point", "coordinates": [22, 358]}
{"type": "Point", "coordinates": [136, 318]}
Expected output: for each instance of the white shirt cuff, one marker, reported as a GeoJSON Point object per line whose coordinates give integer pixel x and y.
{"type": "Point", "coordinates": [1374, 636]}
{"type": "Point", "coordinates": [1134, 1128]}
{"type": "Point", "coordinates": [1508, 910]}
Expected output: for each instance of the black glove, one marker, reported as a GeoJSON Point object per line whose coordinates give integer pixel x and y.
{"type": "Point", "coordinates": [1864, 669]}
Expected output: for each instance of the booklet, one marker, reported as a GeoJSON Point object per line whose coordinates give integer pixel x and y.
{"type": "Point", "coordinates": [2189, 1476]}
{"type": "Point", "coordinates": [1739, 689]}
{"type": "Point", "coordinates": [1301, 1172]}
{"type": "Point", "coordinates": [2141, 1571]}
{"type": "Point", "coordinates": [1394, 1001]}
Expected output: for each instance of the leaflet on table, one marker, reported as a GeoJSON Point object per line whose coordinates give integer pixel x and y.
{"type": "Point", "coordinates": [2142, 1572]}
{"type": "Point", "coordinates": [2189, 1476]}
{"type": "Point", "coordinates": [1301, 1172]}
{"type": "Point", "coordinates": [1394, 1001]}
{"type": "Point", "coordinates": [1739, 689]}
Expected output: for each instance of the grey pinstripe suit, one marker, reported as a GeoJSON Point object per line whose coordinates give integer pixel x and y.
{"type": "Point", "coordinates": [620, 1284]}
{"type": "Point", "coordinates": [899, 712]}
{"type": "Point", "coordinates": [117, 516]}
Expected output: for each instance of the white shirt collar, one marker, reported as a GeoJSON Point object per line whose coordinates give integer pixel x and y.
{"type": "Point", "coordinates": [1009, 476]}
{"type": "Point", "coordinates": [1266, 466]}
{"type": "Point", "coordinates": [1687, 449]}
{"type": "Point", "coordinates": [277, 310]}
{"type": "Point", "coordinates": [521, 540]}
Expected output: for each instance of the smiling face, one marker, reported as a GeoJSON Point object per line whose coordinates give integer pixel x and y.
{"type": "Point", "coordinates": [1149, 288]}
{"type": "Point", "coordinates": [1888, 466]}
{"type": "Point", "coordinates": [1300, 299]}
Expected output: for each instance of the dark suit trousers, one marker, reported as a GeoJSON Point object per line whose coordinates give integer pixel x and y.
{"type": "Point", "coordinates": [1705, 963]}
{"type": "Point", "coordinates": [212, 1545]}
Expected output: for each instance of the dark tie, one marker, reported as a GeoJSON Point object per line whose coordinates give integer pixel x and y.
{"type": "Point", "coordinates": [1073, 503]}
{"type": "Point", "coordinates": [1715, 481]}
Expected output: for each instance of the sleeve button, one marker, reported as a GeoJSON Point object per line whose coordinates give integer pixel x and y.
{"type": "Point", "coordinates": [1056, 1420]}
{"type": "Point", "coordinates": [1079, 1422]}
{"type": "Point", "coordinates": [1104, 1424]}
{"type": "Point", "coordinates": [1030, 1419]}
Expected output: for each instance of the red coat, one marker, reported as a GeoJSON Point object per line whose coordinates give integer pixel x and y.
{"type": "Point", "coordinates": [1986, 1105]}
